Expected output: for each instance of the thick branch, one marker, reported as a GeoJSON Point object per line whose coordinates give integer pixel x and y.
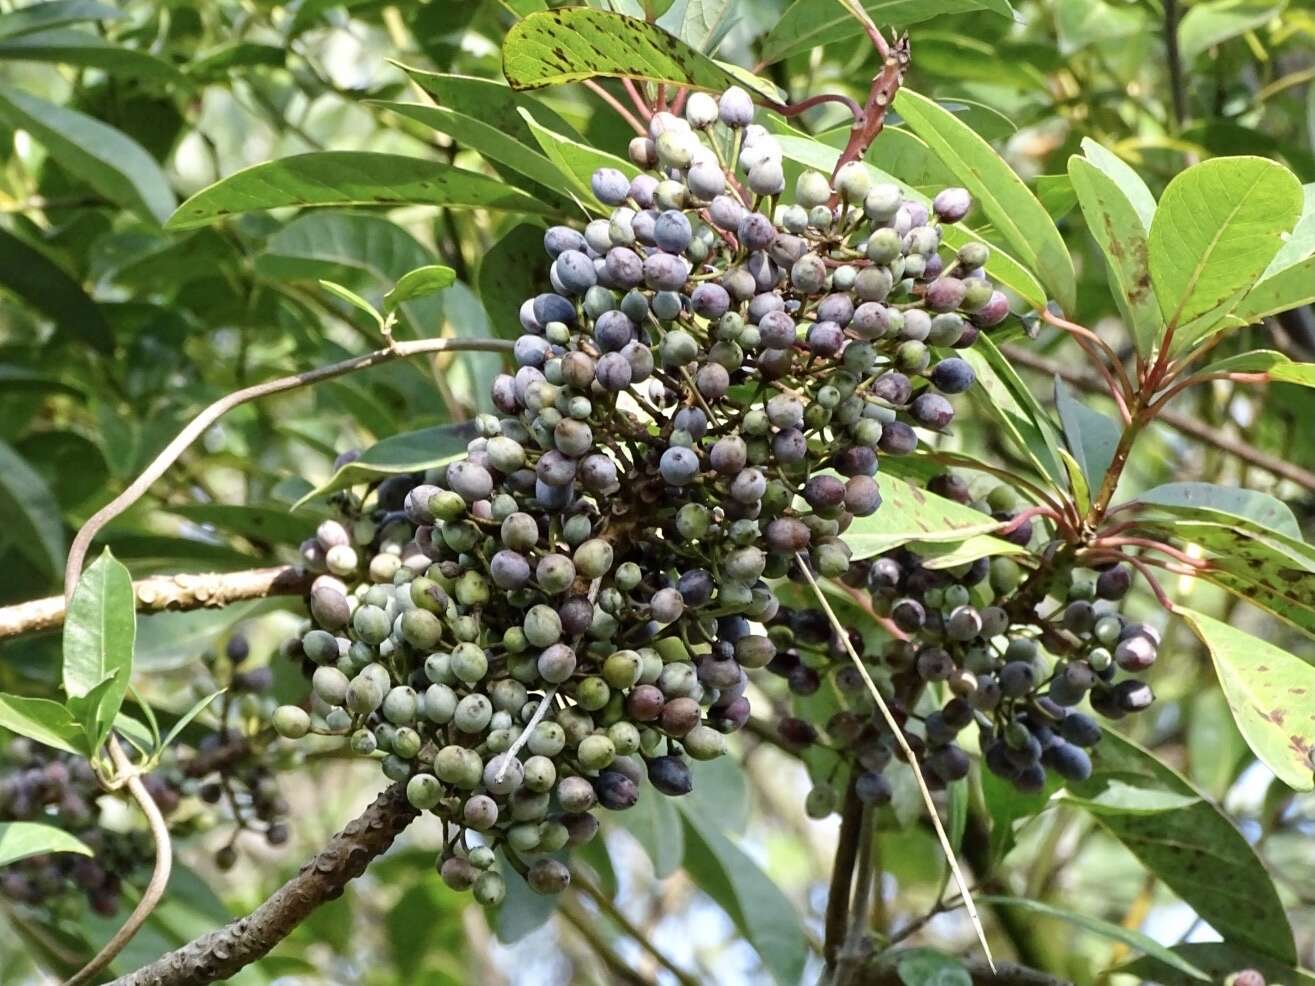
{"type": "Point", "coordinates": [1199, 430]}
{"type": "Point", "coordinates": [222, 953]}
{"type": "Point", "coordinates": [169, 592]}
{"type": "Point", "coordinates": [884, 86]}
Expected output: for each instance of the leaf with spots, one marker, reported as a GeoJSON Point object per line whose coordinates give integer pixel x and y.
{"type": "Point", "coordinates": [1218, 960]}
{"type": "Point", "coordinates": [351, 178]}
{"type": "Point", "coordinates": [1223, 504]}
{"type": "Point", "coordinates": [1271, 694]}
{"type": "Point", "coordinates": [559, 46]}
{"type": "Point", "coordinates": [1198, 853]}
{"type": "Point", "coordinates": [1019, 219]}
{"type": "Point", "coordinates": [1118, 229]}
{"type": "Point", "coordinates": [911, 514]}
{"type": "Point", "coordinates": [1217, 227]}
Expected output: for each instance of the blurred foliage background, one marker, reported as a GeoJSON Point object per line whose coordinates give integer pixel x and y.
{"type": "Point", "coordinates": [114, 332]}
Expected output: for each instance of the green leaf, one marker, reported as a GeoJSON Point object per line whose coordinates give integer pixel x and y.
{"type": "Point", "coordinates": [1300, 245]}
{"type": "Point", "coordinates": [54, 13]}
{"type": "Point", "coordinates": [412, 452]}
{"type": "Point", "coordinates": [197, 708]}
{"type": "Point", "coordinates": [575, 43]}
{"type": "Point", "coordinates": [45, 286]}
{"type": "Point", "coordinates": [29, 513]}
{"type": "Point", "coordinates": [522, 910]}
{"type": "Point", "coordinates": [926, 967]}
{"type": "Point", "coordinates": [1118, 229]}
{"type": "Point", "coordinates": [1106, 929]}
{"type": "Point", "coordinates": [1080, 23]}
{"type": "Point", "coordinates": [217, 63]}
{"type": "Point", "coordinates": [1218, 960]}
{"type": "Point", "coordinates": [353, 299]}
{"type": "Point", "coordinates": [99, 633]}
{"type": "Point", "coordinates": [107, 159]}
{"type": "Point", "coordinates": [1003, 268]}
{"type": "Point", "coordinates": [756, 905]}
{"type": "Point", "coordinates": [70, 47]}
{"type": "Point", "coordinates": [19, 840]}
{"type": "Point", "coordinates": [510, 271]}
{"type": "Point", "coordinates": [1218, 225]}
{"type": "Point", "coordinates": [701, 24]}
{"type": "Point", "coordinates": [911, 514]}
{"type": "Point", "coordinates": [1212, 22]}
{"type": "Point", "coordinates": [495, 103]}
{"type": "Point", "coordinates": [1121, 173]}
{"type": "Point", "coordinates": [1270, 693]}
{"type": "Point", "coordinates": [169, 641]}
{"type": "Point", "coordinates": [1018, 217]}
{"type": "Point", "coordinates": [1290, 288]}
{"type": "Point", "coordinates": [495, 145]}
{"type": "Point", "coordinates": [1207, 501]}
{"type": "Point", "coordinates": [810, 24]}
{"type": "Point", "coordinates": [1280, 368]}
{"type": "Point", "coordinates": [1090, 435]}
{"type": "Point", "coordinates": [576, 160]}
{"type": "Point", "coordinates": [1002, 394]}
{"type": "Point", "coordinates": [350, 178]}
{"type": "Point", "coordinates": [45, 721]}
{"type": "Point", "coordinates": [939, 555]}
{"type": "Point", "coordinates": [655, 824]}
{"type": "Point", "coordinates": [1195, 850]}
{"type": "Point", "coordinates": [418, 283]}
{"type": "Point", "coordinates": [269, 525]}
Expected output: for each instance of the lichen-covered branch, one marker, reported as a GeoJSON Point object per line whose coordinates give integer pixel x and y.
{"type": "Point", "coordinates": [222, 953]}
{"type": "Point", "coordinates": [169, 592]}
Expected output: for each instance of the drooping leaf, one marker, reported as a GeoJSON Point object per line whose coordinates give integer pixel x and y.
{"type": "Point", "coordinates": [1283, 291]}
{"type": "Point", "coordinates": [217, 63]}
{"type": "Point", "coordinates": [265, 524]}
{"type": "Point", "coordinates": [45, 721]}
{"type": "Point", "coordinates": [1007, 806]}
{"type": "Point", "coordinates": [1213, 22]}
{"type": "Point", "coordinates": [1003, 268]}
{"type": "Point", "coordinates": [67, 46]}
{"type": "Point", "coordinates": [418, 283]}
{"type": "Point", "coordinates": [493, 102]}
{"type": "Point", "coordinates": [54, 13]}
{"type": "Point", "coordinates": [45, 286]}
{"type": "Point", "coordinates": [1211, 502]}
{"type": "Point", "coordinates": [107, 159]}
{"type": "Point", "coordinates": [1119, 231]}
{"type": "Point", "coordinates": [99, 632]}
{"type": "Point", "coordinates": [701, 24]}
{"type": "Point", "coordinates": [1280, 368]}
{"type": "Point", "coordinates": [1217, 227]}
{"type": "Point", "coordinates": [576, 160]}
{"type": "Point", "coordinates": [19, 840]}
{"type": "Point", "coordinates": [411, 452]}
{"type": "Point", "coordinates": [350, 178]}
{"type": "Point", "coordinates": [1271, 694]}
{"type": "Point", "coordinates": [1090, 435]}
{"type": "Point", "coordinates": [907, 514]}
{"type": "Point", "coordinates": [1021, 221]}
{"type": "Point", "coordinates": [939, 555]}
{"type": "Point", "coordinates": [522, 910]}
{"type": "Point", "coordinates": [808, 24]}
{"type": "Point", "coordinates": [1218, 960]}
{"type": "Point", "coordinates": [510, 272]}
{"type": "Point", "coordinates": [575, 43]}
{"type": "Point", "coordinates": [755, 904]}
{"type": "Point", "coordinates": [30, 514]}
{"type": "Point", "coordinates": [1195, 850]}
{"type": "Point", "coordinates": [1106, 929]}
{"type": "Point", "coordinates": [655, 824]}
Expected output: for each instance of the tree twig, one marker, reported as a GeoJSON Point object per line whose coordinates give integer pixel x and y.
{"type": "Point", "coordinates": [1177, 87]}
{"type": "Point", "coordinates": [222, 953]}
{"type": "Point", "coordinates": [198, 425]}
{"type": "Point", "coordinates": [842, 875]}
{"type": "Point", "coordinates": [169, 592]}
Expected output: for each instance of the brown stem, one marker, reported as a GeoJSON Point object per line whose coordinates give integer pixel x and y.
{"type": "Point", "coordinates": [617, 105]}
{"type": "Point", "coordinates": [222, 953]}
{"type": "Point", "coordinates": [586, 928]}
{"type": "Point", "coordinates": [842, 875]}
{"type": "Point", "coordinates": [880, 97]}
{"type": "Point", "coordinates": [169, 592]}
{"type": "Point", "coordinates": [1177, 88]}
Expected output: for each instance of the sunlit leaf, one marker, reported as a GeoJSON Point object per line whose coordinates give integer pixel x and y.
{"type": "Point", "coordinates": [19, 840]}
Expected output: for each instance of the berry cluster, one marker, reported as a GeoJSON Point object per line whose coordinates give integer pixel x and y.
{"type": "Point", "coordinates": [58, 789]}
{"type": "Point", "coordinates": [529, 632]}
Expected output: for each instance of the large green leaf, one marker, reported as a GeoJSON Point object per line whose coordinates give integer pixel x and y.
{"type": "Point", "coordinates": [1018, 217]}
{"type": "Point", "coordinates": [19, 840]}
{"type": "Point", "coordinates": [1001, 266]}
{"type": "Point", "coordinates": [1283, 291]}
{"type": "Point", "coordinates": [494, 144]}
{"type": "Point", "coordinates": [495, 103]}
{"type": "Point", "coordinates": [809, 24]}
{"type": "Point", "coordinates": [54, 13]}
{"type": "Point", "coordinates": [1195, 850]}
{"type": "Point", "coordinates": [655, 824]}
{"type": "Point", "coordinates": [701, 24]}
{"type": "Point", "coordinates": [99, 633]}
{"type": "Point", "coordinates": [1280, 368]}
{"type": "Point", "coordinates": [1271, 694]}
{"type": "Point", "coordinates": [750, 898]}
{"type": "Point", "coordinates": [575, 43]}
{"type": "Point", "coordinates": [1208, 501]}
{"type": "Point", "coordinates": [45, 286]}
{"type": "Point", "coordinates": [1218, 960]}
{"type": "Point", "coordinates": [1106, 929]}
{"type": "Point", "coordinates": [71, 47]}
{"type": "Point", "coordinates": [510, 271]}
{"type": "Point", "coordinates": [30, 513]}
{"type": "Point", "coordinates": [1090, 435]}
{"type": "Point", "coordinates": [576, 160]}
{"type": "Point", "coordinates": [411, 452]}
{"type": "Point", "coordinates": [1118, 230]}
{"type": "Point", "coordinates": [45, 721]}
{"type": "Point", "coordinates": [107, 159]}
{"type": "Point", "coordinates": [907, 514]}
{"type": "Point", "coordinates": [266, 525]}
{"type": "Point", "coordinates": [351, 178]}
{"type": "Point", "coordinates": [1130, 183]}
{"type": "Point", "coordinates": [1211, 22]}
{"type": "Point", "coordinates": [1218, 225]}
